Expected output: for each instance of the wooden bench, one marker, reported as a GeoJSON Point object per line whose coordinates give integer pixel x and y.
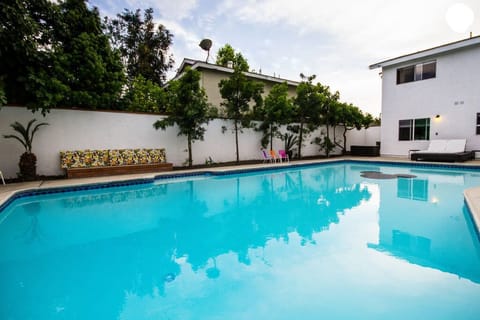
{"type": "Point", "coordinates": [94, 163]}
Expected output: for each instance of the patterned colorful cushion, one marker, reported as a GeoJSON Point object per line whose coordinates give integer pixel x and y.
{"type": "Point", "coordinates": [86, 157]}
{"type": "Point", "coordinates": [128, 156]}
{"type": "Point", "coordinates": [115, 159]}
{"type": "Point", "coordinates": [99, 158]}
{"type": "Point", "coordinates": [157, 155]}
{"type": "Point", "coordinates": [83, 158]}
{"type": "Point", "coordinates": [70, 159]}
{"type": "Point", "coordinates": [143, 156]}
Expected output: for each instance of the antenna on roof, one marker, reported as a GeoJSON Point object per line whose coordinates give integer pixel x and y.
{"type": "Point", "coordinates": [206, 44]}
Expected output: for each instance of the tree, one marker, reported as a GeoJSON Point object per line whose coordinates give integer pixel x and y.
{"type": "Point", "coordinates": [350, 117]}
{"type": "Point", "coordinates": [28, 160]}
{"type": "Point", "coordinates": [84, 60]}
{"type": "Point", "coordinates": [56, 54]}
{"type": "Point", "coordinates": [291, 140]}
{"type": "Point", "coordinates": [188, 108]}
{"type": "Point", "coordinates": [238, 92]}
{"type": "Point", "coordinates": [277, 110]}
{"type": "Point", "coordinates": [143, 47]}
{"type": "Point", "coordinates": [3, 98]}
{"type": "Point", "coordinates": [307, 106]}
{"type": "Point", "coordinates": [327, 115]}
{"type": "Point", "coordinates": [227, 54]}
{"type": "Point", "coordinates": [25, 35]}
{"type": "Point", "coordinates": [145, 96]}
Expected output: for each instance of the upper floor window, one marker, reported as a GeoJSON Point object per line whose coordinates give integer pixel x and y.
{"type": "Point", "coordinates": [417, 72]}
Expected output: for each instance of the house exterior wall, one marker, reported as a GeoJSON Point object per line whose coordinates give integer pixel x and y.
{"type": "Point", "coordinates": [209, 81]}
{"type": "Point", "coordinates": [211, 78]}
{"type": "Point", "coordinates": [454, 94]}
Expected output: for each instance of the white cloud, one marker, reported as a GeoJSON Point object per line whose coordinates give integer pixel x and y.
{"type": "Point", "coordinates": [368, 26]}
{"type": "Point", "coordinates": [190, 39]}
{"type": "Point", "coordinates": [206, 23]}
{"type": "Point", "coordinates": [168, 9]}
{"type": "Point", "coordinates": [185, 43]}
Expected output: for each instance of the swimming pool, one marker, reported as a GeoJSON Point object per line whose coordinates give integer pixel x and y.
{"type": "Point", "coordinates": [326, 241]}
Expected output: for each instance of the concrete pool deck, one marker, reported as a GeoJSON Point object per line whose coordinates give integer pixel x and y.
{"type": "Point", "coordinates": [472, 195]}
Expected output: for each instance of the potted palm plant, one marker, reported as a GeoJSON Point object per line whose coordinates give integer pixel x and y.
{"type": "Point", "coordinates": [28, 160]}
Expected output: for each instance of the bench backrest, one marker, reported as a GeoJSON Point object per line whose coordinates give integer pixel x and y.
{"type": "Point", "coordinates": [437, 146]}
{"type": "Point", "coordinates": [455, 145]}
{"type": "Point", "coordinates": [447, 146]}
{"type": "Point", "coordinates": [114, 157]}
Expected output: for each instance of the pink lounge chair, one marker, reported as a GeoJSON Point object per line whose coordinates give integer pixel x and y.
{"type": "Point", "coordinates": [283, 156]}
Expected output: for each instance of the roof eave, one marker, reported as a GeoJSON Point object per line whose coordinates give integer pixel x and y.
{"type": "Point", "coordinates": [196, 64]}
{"type": "Point", "coordinates": [454, 46]}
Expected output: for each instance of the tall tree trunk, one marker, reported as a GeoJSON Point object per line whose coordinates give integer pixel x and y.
{"type": "Point", "coordinates": [271, 138]}
{"type": "Point", "coordinates": [236, 140]}
{"type": "Point", "coordinates": [300, 140]}
{"type": "Point", "coordinates": [327, 143]}
{"type": "Point", "coordinates": [335, 142]}
{"type": "Point", "coordinates": [344, 140]}
{"type": "Point", "coordinates": [189, 139]}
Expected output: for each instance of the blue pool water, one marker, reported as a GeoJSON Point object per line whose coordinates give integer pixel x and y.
{"type": "Point", "coordinates": [321, 242]}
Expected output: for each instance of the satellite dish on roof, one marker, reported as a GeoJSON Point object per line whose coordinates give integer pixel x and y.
{"type": "Point", "coordinates": [206, 44]}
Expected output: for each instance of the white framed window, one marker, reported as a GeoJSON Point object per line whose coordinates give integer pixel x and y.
{"type": "Point", "coordinates": [416, 72]}
{"type": "Point", "coordinates": [414, 129]}
{"type": "Point", "coordinates": [405, 130]}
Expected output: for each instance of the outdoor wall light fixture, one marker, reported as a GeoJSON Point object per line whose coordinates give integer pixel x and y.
{"type": "Point", "coordinates": [437, 116]}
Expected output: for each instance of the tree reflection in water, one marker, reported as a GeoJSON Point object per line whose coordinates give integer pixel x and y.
{"type": "Point", "coordinates": [33, 232]}
{"type": "Point", "coordinates": [197, 222]}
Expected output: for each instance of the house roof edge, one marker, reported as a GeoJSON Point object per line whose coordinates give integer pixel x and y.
{"type": "Point", "coordinates": [197, 64]}
{"type": "Point", "coordinates": [452, 46]}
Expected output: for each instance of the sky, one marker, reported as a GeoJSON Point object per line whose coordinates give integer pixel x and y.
{"type": "Point", "coordinates": [334, 40]}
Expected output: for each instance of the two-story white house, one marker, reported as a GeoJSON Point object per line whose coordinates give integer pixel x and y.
{"type": "Point", "coordinates": [431, 94]}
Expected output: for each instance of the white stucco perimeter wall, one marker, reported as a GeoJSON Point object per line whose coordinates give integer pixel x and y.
{"type": "Point", "coordinates": [78, 130]}
{"type": "Point", "coordinates": [363, 137]}
{"type": "Point", "coordinates": [75, 130]}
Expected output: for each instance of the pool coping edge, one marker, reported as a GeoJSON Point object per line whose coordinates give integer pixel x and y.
{"type": "Point", "coordinates": [472, 200]}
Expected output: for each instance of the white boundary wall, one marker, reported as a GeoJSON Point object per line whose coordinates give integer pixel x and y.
{"type": "Point", "coordinates": [78, 130]}
{"type": "Point", "coordinates": [363, 137]}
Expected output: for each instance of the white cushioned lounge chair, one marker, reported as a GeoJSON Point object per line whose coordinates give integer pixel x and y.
{"type": "Point", "coordinates": [445, 151]}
